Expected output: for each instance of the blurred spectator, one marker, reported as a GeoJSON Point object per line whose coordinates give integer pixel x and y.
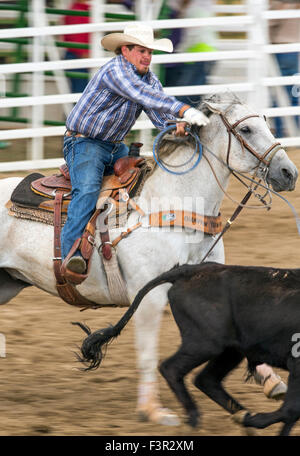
{"type": "Point", "coordinates": [286, 31]}
{"type": "Point", "coordinates": [195, 39]}
{"type": "Point", "coordinates": [129, 4]}
{"type": "Point", "coordinates": [78, 84]}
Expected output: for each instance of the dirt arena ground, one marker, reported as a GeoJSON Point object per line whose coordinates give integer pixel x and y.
{"type": "Point", "coordinates": [42, 391]}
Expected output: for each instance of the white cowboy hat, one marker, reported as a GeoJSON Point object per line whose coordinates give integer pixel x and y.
{"type": "Point", "coordinates": [139, 34]}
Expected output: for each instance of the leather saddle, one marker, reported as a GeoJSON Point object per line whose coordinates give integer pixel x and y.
{"type": "Point", "coordinates": [51, 195]}
{"type": "Point", "coordinates": [127, 171]}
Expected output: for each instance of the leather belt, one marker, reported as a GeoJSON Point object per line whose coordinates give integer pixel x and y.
{"type": "Point", "coordinates": [80, 135]}
{"type": "Point", "coordinates": [76, 135]}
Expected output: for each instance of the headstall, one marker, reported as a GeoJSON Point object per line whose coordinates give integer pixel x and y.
{"type": "Point", "coordinates": [231, 129]}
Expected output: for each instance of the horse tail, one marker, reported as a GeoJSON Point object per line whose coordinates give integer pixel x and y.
{"type": "Point", "coordinates": [93, 346]}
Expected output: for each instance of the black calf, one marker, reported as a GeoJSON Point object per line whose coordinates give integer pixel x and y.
{"type": "Point", "coordinates": [226, 313]}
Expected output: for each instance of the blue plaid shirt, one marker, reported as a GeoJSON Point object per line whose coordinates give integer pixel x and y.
{"type": "Point", "coordinates": [115, 97]}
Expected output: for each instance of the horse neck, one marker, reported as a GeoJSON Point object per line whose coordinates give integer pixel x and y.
{"type": "Point", "coordinates": [200, 183]}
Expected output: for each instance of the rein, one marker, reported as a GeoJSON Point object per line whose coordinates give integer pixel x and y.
{"type": "Point", "coordinates": [271, 151]}
{"type": "Point", "coordinates": [162, 164]}
{"type": "Point", "coordinates": [231, 130]}
{"type": "Point", "coordinates": [264, 159]}
{"type": "Point", "coordinates": [209, 224]}
{"type": "Point", "coordinates": [228, 223]}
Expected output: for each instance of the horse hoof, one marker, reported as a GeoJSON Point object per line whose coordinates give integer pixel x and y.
{"type": "Point", "coordinates": [161, 416]}
{"type": "Point", "coordinates": [168, 418]}
{"type": "Point", "coordinates": [275, 389]}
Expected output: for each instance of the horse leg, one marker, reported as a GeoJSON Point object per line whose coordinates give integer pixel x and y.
{"type": "Point", "coordinates": [10, 287]}
{"type": "Point", "coordinates": [289, 412]}
{"type": "Point", "coordinates": [147, 325]}
{"type": "Point", "coordinates": [210, 378]}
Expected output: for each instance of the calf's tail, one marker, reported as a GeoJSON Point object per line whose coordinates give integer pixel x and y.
{"type": "Point", "coordinates": [94, 346]}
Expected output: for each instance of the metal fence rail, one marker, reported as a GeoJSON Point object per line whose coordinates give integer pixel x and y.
{"type": "Point", "coordinates": [253, 19]}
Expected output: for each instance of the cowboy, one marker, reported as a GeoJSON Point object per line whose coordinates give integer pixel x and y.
{"type": "Point", "coordinates": [98, 123]}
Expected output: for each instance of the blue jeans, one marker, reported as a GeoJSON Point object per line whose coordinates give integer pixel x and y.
{"type": "Point", "coordinates": [88, 161]}
{"type": "Point", "coordinates": [288, 64]}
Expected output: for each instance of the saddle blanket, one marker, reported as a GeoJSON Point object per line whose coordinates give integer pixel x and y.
{"type": "Point", "coordinates": [28, 200]}
{"type": "Point", "coordinates": [26, 204]}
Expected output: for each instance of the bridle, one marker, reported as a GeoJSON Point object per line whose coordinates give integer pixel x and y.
{"type": "Point", "coordinates": [264, 159]}
{"type": "Point", "coordinates": [264, 162]}
{"type": "Point", "coordinates": [231, 130]}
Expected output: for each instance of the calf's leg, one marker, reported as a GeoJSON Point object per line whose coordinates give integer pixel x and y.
{"type": "Point", "coordinates": [210, 378]}
{"type": "Point", "coordinates": [175, 368]}
{"type": "Point", "coordinates": [286, 429]}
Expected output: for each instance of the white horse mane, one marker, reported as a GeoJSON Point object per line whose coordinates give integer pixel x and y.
{"type": "Point", "coordinates": [228, 98]}
{"type": "Point", "coordinates": [170, 142]}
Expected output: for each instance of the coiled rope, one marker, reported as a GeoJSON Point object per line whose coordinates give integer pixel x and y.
{"type": "Point", "coordinates": [165, 166]}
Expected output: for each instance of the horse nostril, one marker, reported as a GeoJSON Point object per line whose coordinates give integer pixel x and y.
{"type": "Point", "coordinates": [287, 174]}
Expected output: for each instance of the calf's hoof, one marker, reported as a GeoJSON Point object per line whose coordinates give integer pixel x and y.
{"type": "Point", "coordinates": [193, 419]}
{"type": "Point", "coordinates": [239, 418]}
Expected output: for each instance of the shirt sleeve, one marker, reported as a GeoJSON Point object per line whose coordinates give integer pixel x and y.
{"type": "Point", "coordinates": [124, 82]}
{"type": "Point", "coordinates": [159, 118]}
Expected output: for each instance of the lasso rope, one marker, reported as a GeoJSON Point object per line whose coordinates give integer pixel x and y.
{"type": "Point", "coordinates": [163, 165]}
{"type": "Point", "coordinates": [199, 148]}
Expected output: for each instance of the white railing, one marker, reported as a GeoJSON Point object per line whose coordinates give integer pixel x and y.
{"type": "Point", "coordinates": [254, 56]}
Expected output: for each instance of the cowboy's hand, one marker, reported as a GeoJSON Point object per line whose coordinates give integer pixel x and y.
{"type": "Point", "coordinates": [180, 129]}
{"type": "Point", "coordinates": [195, 117]}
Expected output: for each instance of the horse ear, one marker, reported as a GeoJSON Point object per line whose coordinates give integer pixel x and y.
{"type": "Point", "coordinates": [209, 108]}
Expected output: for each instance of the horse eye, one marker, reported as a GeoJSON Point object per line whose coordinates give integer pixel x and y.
{"type": "Point", "coordinates": [245, 129]}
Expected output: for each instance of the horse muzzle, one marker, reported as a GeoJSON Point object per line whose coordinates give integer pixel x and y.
{"type": "Point", "coordinates": [283, 174]}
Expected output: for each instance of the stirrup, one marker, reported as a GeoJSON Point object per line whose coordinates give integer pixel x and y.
{"type": "Point", "coordinates": [76, 264]}
{"type": "Point", "coordinates": [71, 276]}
